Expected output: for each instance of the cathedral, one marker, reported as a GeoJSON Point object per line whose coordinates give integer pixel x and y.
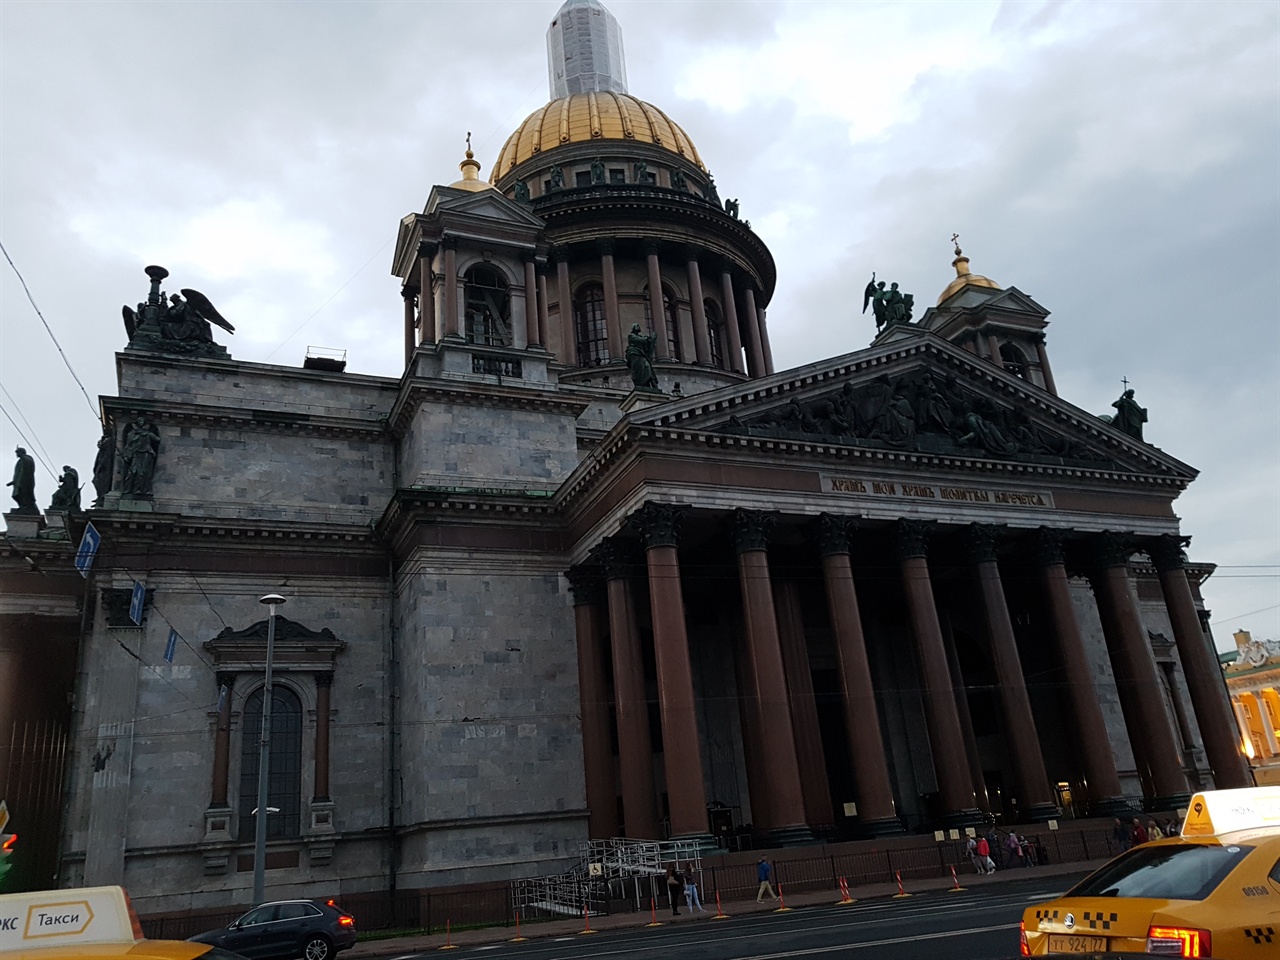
{"type": "Point", "coordinates": [591, 566]}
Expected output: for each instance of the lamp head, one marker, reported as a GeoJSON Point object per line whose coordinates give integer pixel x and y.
{"type": "Point", "coordinates": [272, 599]}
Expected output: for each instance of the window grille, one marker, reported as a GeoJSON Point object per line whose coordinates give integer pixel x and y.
{"type": "Point", "coordinates": [284, 777]}
{"type": "Point", "coordinates": [488, 309]}
{"type": "Point", "coordinates": [589, 322]}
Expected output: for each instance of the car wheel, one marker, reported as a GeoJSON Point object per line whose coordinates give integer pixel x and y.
{"type": "Point", "coordinates": [317, 947]}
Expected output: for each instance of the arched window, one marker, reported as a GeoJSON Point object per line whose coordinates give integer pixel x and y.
{"type": "Point", "coordinates": [284, 778]}
{"type": "Point", "coordinates": [715, 332]}
{"type": "Point", "coordinates": [671, 315]}
{"type": "Point", "coordinates": [488, 309]}
{"type": "Point", "coordinates": [1013, 360]}
{"type": "Point", "coordinates": [592, 334]}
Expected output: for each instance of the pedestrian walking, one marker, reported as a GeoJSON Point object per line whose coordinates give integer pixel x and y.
{"type": "Point", "coordinates": [971, 848]}
{"type": "Point", "coordinates": [1153, 831]}
{"type": "Point", "coordinates": [675, 883]}
{"type": "Point", "coordinates": [985, 865]}
{"type": "Point", "coordinates": [691, 889]}
{"type": "Point", "coordinates": [1138, 835]}
{"type": "Point", "coordinates": [764, 873]}
{"type": "Point", "coordinates": [1014, 847]}
{"type": "Point", "coordinates": [1120, 835]}
{"type": "Point", "coordinates": [993, 844]}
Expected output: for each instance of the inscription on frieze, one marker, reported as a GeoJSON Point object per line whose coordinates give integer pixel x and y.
{"type": "Point", "coordinates": [902, 490]}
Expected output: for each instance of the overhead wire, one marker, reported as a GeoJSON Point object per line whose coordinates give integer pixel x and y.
{"type": "Point", "coordinates": [61, 353]}
{"type": "Point", "coordinates": [48, 460]}
{"type": "Point", "coordinates": [44, 463]}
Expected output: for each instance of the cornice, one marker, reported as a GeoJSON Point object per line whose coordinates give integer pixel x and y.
{"type": "Point", "coordinates": [125, 525]}
{"type": "Point", "coordinates": [415, 390]}
{"type": "Point", "coordinates": [219, 416]}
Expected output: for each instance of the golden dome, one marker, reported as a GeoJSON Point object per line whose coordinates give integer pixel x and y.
{"type": "Point", "coordinates": [964, 278]}
{"type": "Point", "coordinates": [470, 168]}
{"type": "Point", "coordinates": [588, 117]}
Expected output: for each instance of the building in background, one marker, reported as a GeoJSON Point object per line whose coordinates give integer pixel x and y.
{"type": "Point", "coordinates": [1253, 682]}
{"type": "Point", "coordinates": [592, 566]}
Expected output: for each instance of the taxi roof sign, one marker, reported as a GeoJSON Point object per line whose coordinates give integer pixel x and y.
{"type": "Point", "coordinates": [1226, 811]}
{"type": "Point", "coordinates": [58, 918]}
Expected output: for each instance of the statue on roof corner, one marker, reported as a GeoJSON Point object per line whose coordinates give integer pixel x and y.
{"type": "Point", "coordinates": [24, 483]}
{"type": "Point", "coordinates": [639, 357]}
{"type": "Point", "coordinates": [1129, 417]}
{"type": "Point", "coordinates": [181, 327]}
{"type": "Point", "coordinates": [888, 306]}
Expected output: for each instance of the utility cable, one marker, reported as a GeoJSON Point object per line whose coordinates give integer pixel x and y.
{"type": "Point", "coordinates": [88, 400]}
{"type": "Point", "coordinates": [43, 462]}
{"type": "Point", "coordinates": [47, 460]}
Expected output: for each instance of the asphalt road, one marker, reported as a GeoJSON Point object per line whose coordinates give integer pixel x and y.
{"type": "Point", "coordinates": [974, 925]}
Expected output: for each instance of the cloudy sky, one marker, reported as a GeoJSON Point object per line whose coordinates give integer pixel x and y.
{"type": "Point", "coordinates": [1118, 162]}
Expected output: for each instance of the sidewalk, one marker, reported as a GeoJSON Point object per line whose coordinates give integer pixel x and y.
{"type": "Point", "coordinates": [398, 946]}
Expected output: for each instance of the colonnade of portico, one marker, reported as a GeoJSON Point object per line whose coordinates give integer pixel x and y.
{"type": "Point", "coordinates": [781, 747]}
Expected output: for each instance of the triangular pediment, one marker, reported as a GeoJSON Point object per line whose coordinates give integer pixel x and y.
{"type": "Point", "coordinates": [483, 204]}
{"type": "Point", "coordinates": [921, 395]}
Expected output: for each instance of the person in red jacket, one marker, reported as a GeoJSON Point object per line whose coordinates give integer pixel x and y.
{"type": "Point", "coordinates": [1139, 834]}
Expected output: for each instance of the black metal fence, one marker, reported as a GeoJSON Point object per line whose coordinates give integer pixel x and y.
{"type": "Point", "coordinates": [490, 904]}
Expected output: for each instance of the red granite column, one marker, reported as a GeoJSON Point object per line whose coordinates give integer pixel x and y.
{"type": "Point", "coordinates": [1106, 798]}
{"type": "Point", "coordinates": [545, 336]}
{"type": "Point", "coordinates": [612, 322]}
{"type": "Point", "coordinates": [765, 348]}
{"type": "Point", "coordinates": [701, 339]}
{"type": "Point", "coordinates": [943, 722]}
{"type": "Point", "coordinates": [593, 695]}
{"type": "Point", "coordinates": [1043, 356]}
{"type": "Point", "coordinates": [426, 294]}
{"type": "Point", "coordinates": [657, 309]}
{"type": "Point", "coordinates": [324, 687]}
{"type": "Point", "coordinates": [1200, 667]}
{"type": "Point", "coordinates": [781, 770]}
{"type": "Point", "coordinates": [635, 747]}
{"type": "Point", "coordinates": [804, 708]}
{"type": "Point", "coordinates": [1035, 800]}
{"type": "Point", "coordinates": [222, 740]}
{"type": "Point", "coordinates": [410, 321]}
{"type": "Point", "coordinates": [568, 336]}
{"type": "Point", "coordinates": [876, 813]}
{"type": "Point", "coordinates": [755, 352]}
{"type": "Point", "coordinates": [531, 334]}
{"type": "Point", "coordinates": [452, 326]}
{"type": "Point", "coordinates": [972, 757]}
{"type": "Point", "coordinates": [731, 325]}
{"type": "Point", "coordinates": [1135, 667]}
{"type": "Point", "coordinates": [682, 752]}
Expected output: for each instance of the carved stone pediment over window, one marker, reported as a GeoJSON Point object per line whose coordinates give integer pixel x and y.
{"type": "Point", "coordinates": [296, 647]}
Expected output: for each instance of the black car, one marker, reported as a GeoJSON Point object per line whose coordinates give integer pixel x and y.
{"type": "Point", "coordinates": [314, 930]}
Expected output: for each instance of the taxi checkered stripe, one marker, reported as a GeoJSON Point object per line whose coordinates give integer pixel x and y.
{"type": "Point", "coordinates": [1261, 935]}
{"type": "Point", "coordinates": [1097, 918]}
{"type": "Point", "coordinates": [1046, 915]}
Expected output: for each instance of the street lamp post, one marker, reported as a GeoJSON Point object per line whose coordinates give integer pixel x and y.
{"type": "Point", "coordinates": [272, 600]}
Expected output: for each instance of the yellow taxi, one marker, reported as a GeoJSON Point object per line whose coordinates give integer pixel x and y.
{"type": "Point", "coordinates": [1212, 891]}
{"type": "Point", "coordinates": [86, 924]}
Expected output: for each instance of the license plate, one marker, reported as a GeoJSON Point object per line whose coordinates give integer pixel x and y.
{"type": "Point", "coordinates": [1067, 944]}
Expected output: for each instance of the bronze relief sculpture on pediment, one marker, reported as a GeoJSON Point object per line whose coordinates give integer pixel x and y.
{"type": "Point", "coordinates": [920, 411]}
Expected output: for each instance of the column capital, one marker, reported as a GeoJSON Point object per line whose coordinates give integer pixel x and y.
{"type": "Point", "coordinates": [584, 584]}
{"type": "Point", "coordinates": [691, 252]}
{"type": "Point", "coordinates": [751, 529]}
{"type": "Point", "coordinates": [658, 524]}
{"type": "Point", "coordinates": [1112, 549]}
{"type": "Point", "coordinates": [834, 532]}
{"type": "Point", "coordinates": [428, 248]}
{"type": "Point", "coordinates": [615, 557]}
{"type": "Point", "coordinates": [560, 254]}
{"type": "Point", "coordinates": [1166, 552]}
{"type": "Point", "coordinates": [1049, 546]}
{"type": "Point", "coordinates": [408, 294]}
{"type": "Point", "coordinates": [913, 538]}
{"type": "Point", "coordinates": [449, 243]}
{"type": "Point", "coordinates": [604, 247]}
{"type": "Point", "coordinates": [324, 678]}
{"type": "Point", "coordinates": [651, 248]}
{"type": "Point", "coordinates": [224, 678]}
{"type": "Point", "coordinates": [984, 542]}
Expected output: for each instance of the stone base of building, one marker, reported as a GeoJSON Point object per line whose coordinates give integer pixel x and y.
{"type": "Point", "coordinates": [1123, 807]}
{"type": "Point", "coordinates": [889, 826]}
{"type": "Point", "coordinates": [1042, 813]}
{"type": "Point", "coordinates": [1172, 802]}
{"type": "Point", "coordinates": [796, 835]}
{"type": "Point", "coordinates": [966, 818]}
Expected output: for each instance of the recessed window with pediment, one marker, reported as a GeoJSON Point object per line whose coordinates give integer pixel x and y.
{"type": "Point", "coordinates": [488, 310]}
{"type": "Point", "coordinates": [589, 324]}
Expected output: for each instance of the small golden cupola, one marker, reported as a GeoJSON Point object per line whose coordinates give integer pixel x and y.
{"type": "Point", "coordinates": [963, 277]}
{"type": "Point", "coordinates": [470, 168]}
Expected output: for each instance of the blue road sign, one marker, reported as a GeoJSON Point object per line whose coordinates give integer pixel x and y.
{"type": "Point", "coordinates": [172, 646]}
{"type": "Point", "coordinates": [88, 549]}
{"type": "Point", "coordinates": [135, 604]}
